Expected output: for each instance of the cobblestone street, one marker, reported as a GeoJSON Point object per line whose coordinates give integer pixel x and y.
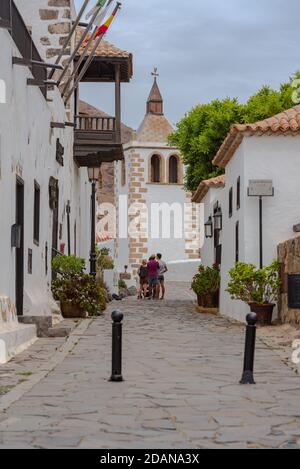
{"type": "Point", "coordinates": [181, 388]}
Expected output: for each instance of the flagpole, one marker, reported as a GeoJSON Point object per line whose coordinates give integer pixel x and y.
{"type": "Point", "coordinates": [85, 4]}
{"type": "Point", "coordinates": [70, 60]}
{"type": "Point", "coordinates": [87, 64]}
{"type": "Point", "coordinates": [84, 54]}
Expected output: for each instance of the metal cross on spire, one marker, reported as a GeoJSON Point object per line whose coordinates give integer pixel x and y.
{"type": "Point", "coordinates": [154, 73]}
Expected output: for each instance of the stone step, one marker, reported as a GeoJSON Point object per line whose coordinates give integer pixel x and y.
{"type": "Point", "coordinates": [59, 331]}
{"type": "Point", "coordinates": [16, 340]}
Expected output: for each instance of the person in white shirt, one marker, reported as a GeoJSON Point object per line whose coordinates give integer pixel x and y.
{"type": "Point", "coordinates": [161, 275]}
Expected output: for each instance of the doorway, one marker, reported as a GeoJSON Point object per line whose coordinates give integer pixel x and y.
{"type": "Point", "coordinates": [53, 202]}
{"type": "Point", "coordinates": [20, 248]}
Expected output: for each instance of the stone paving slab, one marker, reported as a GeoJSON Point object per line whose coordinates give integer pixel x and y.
{"type": "Point", "coordinates": [24, 366]}
{"type": "Point", "coordinates": [181, 388]}
{"type": "Point", "coordinates": [41, 366]}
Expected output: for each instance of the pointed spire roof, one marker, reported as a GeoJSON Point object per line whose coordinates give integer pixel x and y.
{"type": "Point", "coordinates": [155, 127]}
{"type": "Point", "coordinates": [155, 103]}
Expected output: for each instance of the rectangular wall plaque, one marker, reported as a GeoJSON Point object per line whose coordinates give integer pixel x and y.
{"type": "Point", "coordinates": [260, 188]}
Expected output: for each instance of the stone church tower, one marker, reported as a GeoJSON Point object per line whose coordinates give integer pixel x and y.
{"type": "Point", "coordinates": [150, 187]}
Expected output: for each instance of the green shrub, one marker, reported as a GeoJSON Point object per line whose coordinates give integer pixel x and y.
{"type": "Point", "coordinates": [122, 284]}
{"type": "Point", "coordinates": [81, 290]}
{"type": "Point", "coordinates": [206, 281]}
{"type": "Point", "coordinates": [253, 285]}
{"type": "Point", "coordinates": [68, 266]}
{"type": "Point", "coordinates": [73, 286]}
{"type": "Point", "coordinates": [104, 260]}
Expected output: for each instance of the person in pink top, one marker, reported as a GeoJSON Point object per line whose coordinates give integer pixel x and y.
{"type": "Point", "coordinates": [153, 270]}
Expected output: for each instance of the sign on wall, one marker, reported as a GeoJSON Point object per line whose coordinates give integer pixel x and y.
{"type": "Point", "coordinates": [260, 188]}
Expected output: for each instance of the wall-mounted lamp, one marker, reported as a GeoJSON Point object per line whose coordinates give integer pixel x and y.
{"type": "Point", "coordinates": [218, 220]}
{"type": "Point", "coordinates": [208, 226]}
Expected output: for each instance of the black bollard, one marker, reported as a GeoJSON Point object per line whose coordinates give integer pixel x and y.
{"type": "Point", "coordinates": [248, 377]}
{"type": "Point", "coordinates": [117, 318]}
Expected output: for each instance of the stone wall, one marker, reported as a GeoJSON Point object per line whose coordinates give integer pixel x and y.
{"type": "Point", "coordinates": [137, 190]}
{"type": "Point", "coordinates": [105, 192]}
{"type": "Point", "coordinates": [289, 257]}
{"type": "Point", "coordinates": [50, 22]}
{"type": "Point", "coordinates": [58, 17]}
{"type": "Point", "coordinates": [192, 229]}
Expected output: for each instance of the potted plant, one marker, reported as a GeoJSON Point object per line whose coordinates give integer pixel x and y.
{"type": "Point", "coordinates": [206, 285]}
{"type": "Point", "coordinates": [79, 294]}
{"type": "Point", "coordinates": [104, 260]}
{"type": "Point", "coordinates": [122, 287]}
{"type": "Point", "coordinates": [259, 288]}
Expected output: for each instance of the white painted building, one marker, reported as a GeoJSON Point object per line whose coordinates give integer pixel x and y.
{"type": "Point", "coordinates": [149, 182]}
{"type": "Point", "coordinates": [267, 150]}
{"type": "Point", "coordinates": [39, 178]}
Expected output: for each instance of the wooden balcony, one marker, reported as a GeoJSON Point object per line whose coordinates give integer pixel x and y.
{"type": "Point", "coordinates": [97, 140]}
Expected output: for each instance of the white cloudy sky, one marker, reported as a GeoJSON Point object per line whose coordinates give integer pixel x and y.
{"type": "Point", "coordinates": [204, 49]}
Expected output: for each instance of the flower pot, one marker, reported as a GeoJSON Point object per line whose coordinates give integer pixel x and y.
{"type": "Point", "coordinates": [200, 300]}
{"type": "Point", "coordinates": [264, 313]}
{"type": "Point", "coordinates": [69, 310]}
{"type": "Point", "coordinates": [209, 300]}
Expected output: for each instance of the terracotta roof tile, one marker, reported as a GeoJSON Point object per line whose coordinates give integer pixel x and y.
{"type": "Point", "coordinates": [285, 123]}
{"type": "Point", "coordinates": [204, 186]}
{"type": "Point", "coordinates": [154, 128]}
{"type": "Point", "coordinates": [105, 49]}
{"type": "Point", "coordinates": [102, 237]}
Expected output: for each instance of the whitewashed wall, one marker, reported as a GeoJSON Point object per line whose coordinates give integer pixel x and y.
{"type": "Point", "coordinates": [28, 149]}
{"type": "Point", "coordinates": [268, 157]}
{"type": "Point", "coordinates": [274, 158]}
{"type": "Point", "coordinates": [234, 170]}
{"type": "Point", "coordinates": [173, 249]}
{"type": "Point", "coordinates": [122, 255]}
{"type": "Point", "coordinates": [214, 195]}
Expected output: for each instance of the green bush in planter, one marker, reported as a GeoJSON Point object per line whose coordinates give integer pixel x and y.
{"type": "Point", "coordinates": [253, 285]}
{"type": "Point", "coordinates": [81, 290]}
{"type": "Point", "coordinates": [72, 286]}
{"type": "Point", "coordinates": [122, 287]}
{"type": "Point", "coordinates": [67, 266]}
{"type": "Point", "coordinates": [206, 281]}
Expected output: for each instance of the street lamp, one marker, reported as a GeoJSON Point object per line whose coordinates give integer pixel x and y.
{"type": "Point", "coordinates": [94, 174]}
{"type": "Point", "coordinates": [218, 219]}
{"type": "Point", "coordinates": [209, 228]}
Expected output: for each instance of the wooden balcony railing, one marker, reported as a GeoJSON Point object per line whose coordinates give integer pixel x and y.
{"type": "Point", "coordinates": [11, 19]}
{"type": "Point", "coordinates": [97, 124]}
{"type": "Point", "coordinates": [96, 140]}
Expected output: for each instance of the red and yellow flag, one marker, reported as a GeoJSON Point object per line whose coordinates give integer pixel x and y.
{"type": "Point", "coordinates": [105, 26]}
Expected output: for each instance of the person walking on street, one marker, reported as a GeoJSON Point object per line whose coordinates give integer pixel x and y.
{"type": "Point", "coordinates": [143, 275]}
{"type": "Point", "coordinates": [153, 268]}
{"type": "Point", "coordinates": [161, 276]}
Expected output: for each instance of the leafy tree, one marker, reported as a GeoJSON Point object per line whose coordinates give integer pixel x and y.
{"type": "Point", "coordinates": [201, 132]}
